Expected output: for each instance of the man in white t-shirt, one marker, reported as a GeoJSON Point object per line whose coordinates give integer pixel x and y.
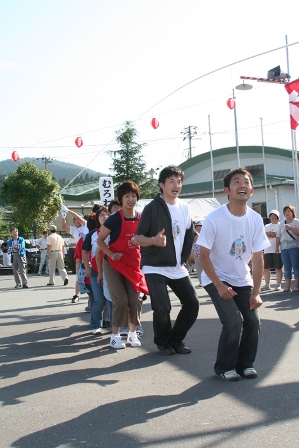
{"type": "Point", "coordinates": [230, 236]}
{"type": "Point", "coordinates": [42, 246]}
{"type": "Point", "coordinates": [166, 234]}
{"type": "Point", "coordinates": [272, 259]}
{"type": "Point", "coordinates": [78, 230]}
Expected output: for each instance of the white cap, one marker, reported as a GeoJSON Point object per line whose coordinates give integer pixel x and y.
{"type": "Point", "coordinates": [275, 212]}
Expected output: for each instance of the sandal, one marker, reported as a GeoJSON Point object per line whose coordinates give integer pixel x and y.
{"type": "Point", "coordinates": [287, 290]}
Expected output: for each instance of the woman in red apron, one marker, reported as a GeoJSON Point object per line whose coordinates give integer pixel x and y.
{"type": "Point", "coordinates": [122, 265]}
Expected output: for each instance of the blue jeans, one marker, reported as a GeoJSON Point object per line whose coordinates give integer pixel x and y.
{"type": "Point", "coordinates": [183, 289]}
{"type": "Point", "coordinates": [98, 302]}
{"type": "Point", "coordinates": [290, 259]}
{"type": "Point", "coordinates": [238, 341]}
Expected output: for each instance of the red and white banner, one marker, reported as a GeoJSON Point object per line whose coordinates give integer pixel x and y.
{"type": "Point", "coordinates": [293, 90]}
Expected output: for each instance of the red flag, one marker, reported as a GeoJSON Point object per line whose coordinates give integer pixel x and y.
{"type": "Point", "coordinates": [293, 90]}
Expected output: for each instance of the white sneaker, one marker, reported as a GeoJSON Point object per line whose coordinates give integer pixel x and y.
{"type": "Point", "coordinates": [277, 288]}
{"type": "Point", "coordinates": [230, 375]}
{"type": "Point", "coordinates": [96, 331]}
{"type": "Point", "coordinates": [116, 342]}
{"type": "Point", "coordinates": [133, 339]}
{"type": "Point", "coordinates": [250, 372]}
{"type": "Point", "coordinates": [266, 288]}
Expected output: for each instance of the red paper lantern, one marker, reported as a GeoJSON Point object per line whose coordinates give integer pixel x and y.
{"type": "Point", "coordinates": [79, 142]}
{"type": "Point", "coordinates": [231, 103]}
{"type": "Point", "coordinates": [155, 123]}
{"type": "Point", "coordinates": [15, 156]}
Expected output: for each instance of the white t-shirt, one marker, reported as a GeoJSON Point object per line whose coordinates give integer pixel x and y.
{"type": "Point", "coordinates": [181, 221]}
{"type": "Point", "coordinates": [271, 228]}
{"type": "Point", "coordinates": [286, 241]}
{"type": "Point", "coordinates": [231, 240]}
{"type": "Point", "coordinates": [78, 232]}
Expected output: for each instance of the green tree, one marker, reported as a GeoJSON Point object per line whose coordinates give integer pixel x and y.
{"type": "Point", "coordinates": [4, 225]}
{"type": "Point", "coordinates": [33, 196]}
{"type": "Point", "coordinates": [128, 162]}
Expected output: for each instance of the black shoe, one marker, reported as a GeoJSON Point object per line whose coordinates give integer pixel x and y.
{"type": "Point", "coordinates": [106, 324]}
{"type": "Point", "coordinates": [65, 282]}
{"type": "Point", "coordinates": [87, 309]}
{"type": "Point", "coordinates": [166, 349]}
{"type": "Point", "coordinates": [25, 286]}
{"type": "Point", "coordinates": [18, 286]}
{"type": "Point", "coordinates": [75, 299]}
{"type": "Point", "coordinates": [180, 347]}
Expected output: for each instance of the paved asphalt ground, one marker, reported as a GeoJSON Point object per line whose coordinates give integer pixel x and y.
{"type": "Point", "coordinates": [63, 387]}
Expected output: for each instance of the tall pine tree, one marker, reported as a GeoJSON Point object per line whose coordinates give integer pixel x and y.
{"type": "Point", "coordinates": [128, 162]}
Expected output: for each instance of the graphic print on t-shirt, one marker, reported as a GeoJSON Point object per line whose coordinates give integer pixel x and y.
{"type": "Point", "coordinates": [238, 248]}
{"type": "Point", "coordinates": [175, 229]}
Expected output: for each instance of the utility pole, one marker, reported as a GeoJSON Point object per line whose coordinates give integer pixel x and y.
{"type": "Point", "coordinates": [45, 160]}
{"type": "Point", "coordinates": [189, 133]}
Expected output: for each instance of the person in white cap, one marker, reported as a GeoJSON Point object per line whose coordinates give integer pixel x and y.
{"type": "Point", "coordinates": [272, 259]}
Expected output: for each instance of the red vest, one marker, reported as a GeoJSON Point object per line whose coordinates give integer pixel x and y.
{"type": "Point", "coordinates": [129, 264]}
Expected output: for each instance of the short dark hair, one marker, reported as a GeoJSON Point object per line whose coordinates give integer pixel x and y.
{"type": "Point", "coordinates": [127, 187]}
{"type": "Point", "coordinates": [168, 171]}
{"type": "Point", "coordinates": [113, 202]}
{"type": "Point", "coordinates": [95, 207]}
{"type": "Point", "coordinates": [99, 211]}
{"type": "Point", "coordinates": [228, 177]}
{"type": "Point", "coordinates": [14, 228]}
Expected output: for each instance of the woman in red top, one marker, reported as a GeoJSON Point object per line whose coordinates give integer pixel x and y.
{"type": "Point", "coordinates": [122, 265]}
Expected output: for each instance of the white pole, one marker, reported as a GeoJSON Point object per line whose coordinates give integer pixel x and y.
{"type": "Point", "coordinates": [236, 130]}
{"type": "Point", "coordinates": [211, 152]}
{"type": "Point", "coordinates": [294, 146]}
{"type": "Point", "coordinates": [265, 169]}
{"type": "Point", "coordinates": [294, 139]}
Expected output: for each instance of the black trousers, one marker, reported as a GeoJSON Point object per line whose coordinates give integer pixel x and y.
{"type": "Point", "coordinates": [161, 306]}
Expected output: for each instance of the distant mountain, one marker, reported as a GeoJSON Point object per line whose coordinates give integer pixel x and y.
{"type": "Point", "coordinates": [63, 172]}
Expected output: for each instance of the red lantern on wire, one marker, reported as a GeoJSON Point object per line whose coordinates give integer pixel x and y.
{"type": "Point", "coordinates": [231, 103]}
{"type": "Point", "coordinates": [155, 123]}
{"type": "Point", "coordinates": [79, 142]}
{"type": "Point", "coordinates": [15, 156]}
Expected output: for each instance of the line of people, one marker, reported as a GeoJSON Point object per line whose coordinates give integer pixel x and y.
{"type": "Point", "coordinates": [230, 236]}
{"type": "Point", "coordinates": [128, 256]}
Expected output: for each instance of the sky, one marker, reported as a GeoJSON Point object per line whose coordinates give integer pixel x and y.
{"type": "Point", "coordinates": [81, 68]}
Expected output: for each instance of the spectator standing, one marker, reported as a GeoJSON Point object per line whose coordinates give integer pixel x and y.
{"type": "Point", "coordinates": [78, 230]}
{"type": "Point", "coordinates": [229, 236]}
{"type": "Point", "coordinates": [166, 235]}
{"type": "Point", "coordinates": [272, 259]}
{"type": "Point", "coordinates": [42, 246]}
{"type": "Point", "coordinates": [16, 247]}
{"type": "Point", "coordinates": [6, 254]}
{"type": "Point", "coordinates": [55, 255]}
{"type": "Point", "coordinates": [288, 240]}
